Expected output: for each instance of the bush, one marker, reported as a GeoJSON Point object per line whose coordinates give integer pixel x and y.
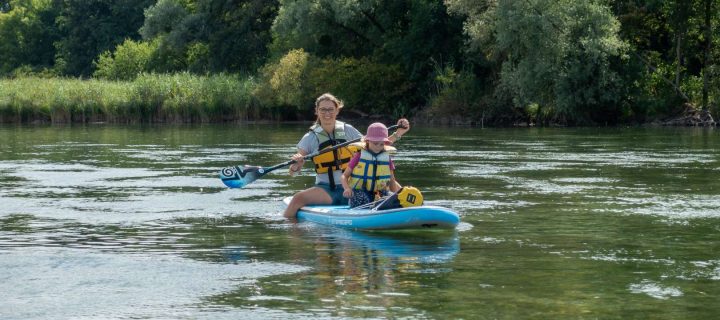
{"type": "Point", "coordinates": [364, 85]}
{"type": "Point", "coordinates": [288, 78]}
{"type": "Point", "coordinates": [127, 61]}
{"type": "Point", "coordinates": [284, 86]}
{"type": "Point", "coordinates": [458, 96]}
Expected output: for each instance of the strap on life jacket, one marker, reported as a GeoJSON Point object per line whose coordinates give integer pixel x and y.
{"type": "Point", "coordinates": [372, 173]}
{"type": "Point", "coordinates": [334, 160]}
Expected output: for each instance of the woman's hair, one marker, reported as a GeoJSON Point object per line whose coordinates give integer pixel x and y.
{"type": "Point", "coordinates": [327, 97]}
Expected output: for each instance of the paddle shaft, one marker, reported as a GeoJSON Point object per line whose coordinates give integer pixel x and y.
{"type": "Point", "coordinates": [238, 177]}
{"type": "Point", "coordinates": [319, 152]}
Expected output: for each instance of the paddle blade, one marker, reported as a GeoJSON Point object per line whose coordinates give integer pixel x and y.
{"type": "Point", "coordinates": [238, 177]}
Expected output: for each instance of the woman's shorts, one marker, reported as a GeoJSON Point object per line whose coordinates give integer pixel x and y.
{"type": "Point", "coordinates": [336, 195]}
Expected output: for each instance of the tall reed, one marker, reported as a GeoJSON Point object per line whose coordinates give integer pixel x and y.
{"type": "Point", "coordinates": [181, 97]}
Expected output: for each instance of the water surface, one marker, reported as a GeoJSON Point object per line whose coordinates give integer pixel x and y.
{"type": "Point", "coordinates": [132, 222]}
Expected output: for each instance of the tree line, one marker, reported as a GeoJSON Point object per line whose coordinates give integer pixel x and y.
{"type": "Point", "coordinates": [594, 62]}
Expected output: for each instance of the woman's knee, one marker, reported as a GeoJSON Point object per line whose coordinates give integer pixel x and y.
{"type": "Point", "coordinates": [302, 197]}
{"type": "Point", "coordinates": [316, 195]}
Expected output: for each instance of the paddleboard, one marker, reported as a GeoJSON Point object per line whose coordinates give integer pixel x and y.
{"type": "Point", "coordinates": [421, 217]}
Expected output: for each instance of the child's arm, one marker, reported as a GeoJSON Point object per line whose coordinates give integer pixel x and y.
{"type": "Point", "coordinates": [393, 185]}
{"type": "Point", "coordinates": [347, 192]}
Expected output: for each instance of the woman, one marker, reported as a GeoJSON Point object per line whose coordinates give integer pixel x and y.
{"type": "Point", "coordinates": [327, 131]}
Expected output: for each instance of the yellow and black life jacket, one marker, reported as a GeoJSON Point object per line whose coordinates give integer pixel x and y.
{"type": "Point", "coordinates": [372, 173]}
{"type": "Point", "coordinates": [332, 160]}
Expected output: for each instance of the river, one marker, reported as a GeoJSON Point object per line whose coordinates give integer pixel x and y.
{"type": "Point", "coordinates": [104, 221]}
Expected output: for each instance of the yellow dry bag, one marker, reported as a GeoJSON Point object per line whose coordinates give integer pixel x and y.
{"type": "Point", "coordinates": [410, 197]}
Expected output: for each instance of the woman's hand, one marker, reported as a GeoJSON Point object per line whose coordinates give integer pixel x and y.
{"type": "Point", "coordinates": [403, 127]}
{"type": "Point", "coordinates": [299, 158]}
{"type": "Point", "coordinates": [299, 161]}
{"type": "Point", "coordinates": [347, 193]}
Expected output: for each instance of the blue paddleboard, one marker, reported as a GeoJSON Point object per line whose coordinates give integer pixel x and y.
{"type": "Point", "coordinates": [422, 217]}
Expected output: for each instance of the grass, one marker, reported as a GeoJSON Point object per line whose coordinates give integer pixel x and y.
{"type": "Point", "coordinates": [181, 97]}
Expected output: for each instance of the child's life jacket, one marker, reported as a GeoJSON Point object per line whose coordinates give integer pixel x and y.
{"type": "Point", "coordinates": [372, 172]}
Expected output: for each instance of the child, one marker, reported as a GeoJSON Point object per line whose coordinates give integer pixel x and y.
{"type": "Point", "coordinates": [370, 172]}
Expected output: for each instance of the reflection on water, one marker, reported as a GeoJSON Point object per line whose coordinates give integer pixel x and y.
{"type": "Point", "coordinates": [132, 222]}
{"type": "Point", "coordinates": [353, 273]}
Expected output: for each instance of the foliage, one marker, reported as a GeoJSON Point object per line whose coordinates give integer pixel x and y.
{"type": "Point", "coordinates": [129, 60]}
{"type": "Point", "coordinates": [366, 87]}
{"type": "Point", "coordinates": [215, 36]}
{"type": "Point", "coordinates": [89, 27]}
{"type": "Point", "coordinates": [586, 62]}
{"type": "Point", "coordinates": [238, 32]}
{"type": "Point", "coordinates": [27, 35]}
{"type": "Point", "coordinates": [286, 81]}
{"type": "Point", "coordinates": [164, 24]}
{"type": "Point", "coordinates": [58, 100]}
{"type": "Point", "coordinates": [159, 98]}
{"type": "Point", "coordinates": [556, 54]}
{"type": "Point", "coordinates": [670, 38]}
{"type": "Point", "coordinates": [409, 34]}
{"type": "Point", "coordinates": [457, 95]}
{"type": "Point", "coordinates": [161, 17]}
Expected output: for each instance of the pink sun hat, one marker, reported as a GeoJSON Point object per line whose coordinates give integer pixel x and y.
{"type": "Point", "coordinates": [377, 132]}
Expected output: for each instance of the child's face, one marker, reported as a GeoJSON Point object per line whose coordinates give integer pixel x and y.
{"type": "Point", "coordinates": [376, 146]}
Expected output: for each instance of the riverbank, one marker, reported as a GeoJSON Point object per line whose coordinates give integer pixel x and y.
{"type": "Point", "coordinates": [189, 98]}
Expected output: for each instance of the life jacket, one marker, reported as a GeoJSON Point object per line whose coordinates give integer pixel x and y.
{"type": "Point", "coordinates": [372, 173]}
{"type": "Point", "coordinates": [332, 160]}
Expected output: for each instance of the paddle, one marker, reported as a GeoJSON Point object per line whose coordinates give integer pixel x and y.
{"type": "Point", "coordinates": [240, 176]}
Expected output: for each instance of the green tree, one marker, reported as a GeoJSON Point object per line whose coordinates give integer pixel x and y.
{"type": "Point", "coordinates": [557, 55]}
{"type": "Point", "coordinates": [673, 41]}
{"type": "Point", "coordinates": [412, 34]}
{"type": "Point", "coordinates": [238, 32]}
{"type": "Point", "coordinates": [167, 22]}
{"type": "Point", "coordinates": [212, 35]}
{"type": "Point", "coordinates": [366, 87]}
{"type": "Point", "coordinates": [710, 64]}
{"type": "Point", "coordinates": [27, 34]}
{"type": "Point", "coordinates": [90, 27]}
{"type": "Point", "coordinates": [161, 17]}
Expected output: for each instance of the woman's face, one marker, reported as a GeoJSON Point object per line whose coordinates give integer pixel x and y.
{"type": "Point", "coordinates": [326, 111]}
